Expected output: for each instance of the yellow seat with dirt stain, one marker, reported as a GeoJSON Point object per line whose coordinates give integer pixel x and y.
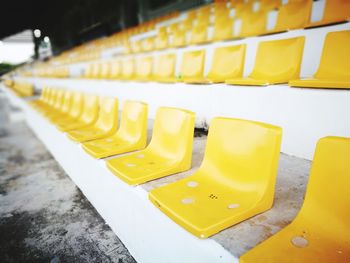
{"type": "Point", "coordinates": [277, 61]}
{"type": "Point", "coordinates": [321, 231]}
{"type": "Point", "coordinates": [74, 112]}
{"type": "Point", "coordinates": [105, 125]}
{"type": "Point", "coordinates": [235, 181]}
{"type": "Point", "coordinates": [64, 107]}
{"type": "Point", "coordinates": [192, 66]}
{"type": "Point", "coordinates": [87, 117]}
{"type": "Point", "coordinates": [333, 71]}
{"type": "Point", "coordinates": [131, 135]}
{"type": "Point", "coordinates": [169, 152]}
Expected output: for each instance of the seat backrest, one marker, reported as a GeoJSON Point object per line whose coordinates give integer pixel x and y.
{"type": "Point", "coordinates": [128, 68]}
{"type": "Point", "coordinates": [144, 69]}
{"type": "Point", "coordinates": [294, 15]}
{"type": "Point", "coordinates": [133, 122]}
{"type": "Point", "coordinates": [108, 114]}
{"type": "Point", "coordinates": [147, 44]}
{"type": "Point", "coordinates": [253, 24]}
{"type": "Point", "coordinates": [115, 70]}
{"type": "Point", "coordinates": [199, 34]}
{"type": "Point", "coordinates": [228, 62]}
{"type": "Point", "coordinates": [90, 110]}
{"type": "Point", "coordinates": [59, 99]}
{"type": "Point", "coordinates": [192, 65]}
{"type": "Point", "coordinates": [105, 69]}
{"type": "Point", "coordinates": [179, 37]}
{"type": "Point", "coordinates": [77, 105]}
{"type": "Point", "coordinates": [244, 154]}
{"type": "Point", "coordinates": [327, 196]}
{"type": "Point", "coordinates": [52, 98]}
{"type": "Point", "coordinates": [172, 135]}
{"type": "Point", "coordinates": [223, 28]}
{"type": "Point", "coordinates": [165, 66]}
{"type": "Point", "coordinates": [67, 101]}
{"type": "Point", "coordinates": [336, 11]}
{"type": "Point", "coordinates": [335, 59]}
{"type": "Point", "coordinates": [279, 60]}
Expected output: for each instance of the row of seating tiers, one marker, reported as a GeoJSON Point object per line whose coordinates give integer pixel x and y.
{"type": "Point", "coordinates": [22, 89]}
{"type": "Point", "coordinates": [235, 181]}
{"type": "Point", "coordinates": [277, 61]}
{"type": "Point", "coordinates": [222, 20]}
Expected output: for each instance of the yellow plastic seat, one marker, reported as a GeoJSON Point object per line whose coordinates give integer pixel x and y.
{"type": "Point", "coordinates": [44, 96]}
{"type": "Point", "coordinates": [192, 66]}
{"type": "Point", "coordinates": [235, 181]}
{"type": "Point", "coordinates": [147, 44]}
{"type": "Point", "coordinates": [270, 4]}
{"type": "Point", "coordinates": [169, 152]}
{"type": "Point", "coordinates": [49, 101]}
{"type": "Point", "coordinates": [294, 15]}
{"type": "Point", "coordinates": [131, 135]}
{"type": "Point", "coordinates": [179, 38]}
{"type": "Point", "coordinates": [321, 232]}
{"type": "Point", "coordinates": [161, 41]}
{"type": "Point", "coordinates": [64, 108]}
{"type": "Point", "coordinates": [277, 61]}
{"type": "Point", "coordinates": [136, 46]}
{"type": "Point", "coordinates": [128, 69]}
{"type": "Point", "coordinates": [115, 70]}
{"type": "Point", "coordinates": [253, 24]}
{"type": "Point", "coordinates": [165, 68]}
{"type": "Point", "coordinates": [144, 69]}
{"type": "Point", "coordinates": [223, 28]}
{"type": "Point", "coordinates": [105, 125]}
{"type": "Point", "coordinates": [228, 62]}
{"type": "Point", "coordinates": [105, 70]}
{"type": "Point", "coordinates": [55, 104]}
{"type": "Point", "coordinates": [333, 71]}
{"type": "Point", "coordinates": [199, 34]}
{"type": "Point", "coordinates": [74, 112]}
{"type": "Point", "coordinates": [335, 11]}
{"type": "Point", "coordinates": [88, 116]}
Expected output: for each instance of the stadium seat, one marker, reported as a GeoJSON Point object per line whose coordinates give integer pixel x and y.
{"type": "Point", "coordinates": [131, 135]}
{"type": "Point", "coordinates": [223, 29]}
{"type": "Point", "coordinates": [87, 117]}
{"type": "Point", "coordinates": [74, 112]}
{"type": "Point", "coordinates": [161, 41]}
{"type": "Point", "coordinates": [144, 69]}
{"type": "Point", "coordinates": [136, 46]}
{"type": "Point", "coordinates": [179, 38]}
{"type": "Point", "coordinates": [128, 69]}
{"type": "Point", "coordinates": [277, 61]}
{"type": "Point", "coordinates": [105, 70]}
{"type": "Point", "coordinates": [321, 231]}
{"type": "Point", "coordinates": [169, 152]}
{"type": "Point", "coordinates": [199, 34]}
{"type": "Point", "coordinates": [253, 24]}
{"type": "Point", "coordinates": [294, 15]}
{"type": "Point", "coordinates": [165, 68]}
{"type": "Point", "coordinates": [115, 70]}
{"type": "Point", "coordinates": [228, 62]}
{"type": "Point", "coordinates": [270, 4]}
{"type": "Point", "coordinates": [44, 97]}
{"type": "Point", "coordinates": [55, 104]}
{"type": "Point", "coordinates": [105, 125]}
{"type": "Point", "coordinates": [64, 108]}
{"type": "Point", "coordinates": [333, 71]}
{"type": "Point", "coordinates": [192, 66]}
{"type": "Point", "coordinates": [147, 44]}
{"type": "Point", "coordinates": [235, 181]}
{"type": "Point", "coordinates": [335, 11]}
{"type": "Point", "coordinates": [49, 101]}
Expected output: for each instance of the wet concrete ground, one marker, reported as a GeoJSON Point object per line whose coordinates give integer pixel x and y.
{"type": "Point", "coordinates": [43, 215]}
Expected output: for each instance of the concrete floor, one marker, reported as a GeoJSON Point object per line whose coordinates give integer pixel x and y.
{"type": "Point", "coordinates": [43, 215]}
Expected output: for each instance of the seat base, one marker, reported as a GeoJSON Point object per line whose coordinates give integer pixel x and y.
{"type": "Point", "coordinates": [142, 166]}
{"type": "Point", "coordinates": [87, 134]}
{"type": "Point", "coordinates": [248, 82]}
{"type": "Point", "coordinates": [202, 206]}
{"type": "Point", "coordinates": [109, 146]}
{"type": "Point", "coordinates": [320, 83]}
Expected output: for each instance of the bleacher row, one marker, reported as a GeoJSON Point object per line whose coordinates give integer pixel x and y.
{"type": "Point", "coordinates": [235, 181]}
{"type": "Point", "coordinates": [277, 61]}
{"type": "Point", "coordinates": [214, 22]}
{"type": "Point", "coordinates": [21, 89]}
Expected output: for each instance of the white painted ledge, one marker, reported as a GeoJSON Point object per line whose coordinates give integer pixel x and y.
{"type": "Point", "coordinates": [149, 235]}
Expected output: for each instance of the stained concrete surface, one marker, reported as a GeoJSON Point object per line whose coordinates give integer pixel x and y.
{"type": "Point", "coordinates": [43, 215]}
